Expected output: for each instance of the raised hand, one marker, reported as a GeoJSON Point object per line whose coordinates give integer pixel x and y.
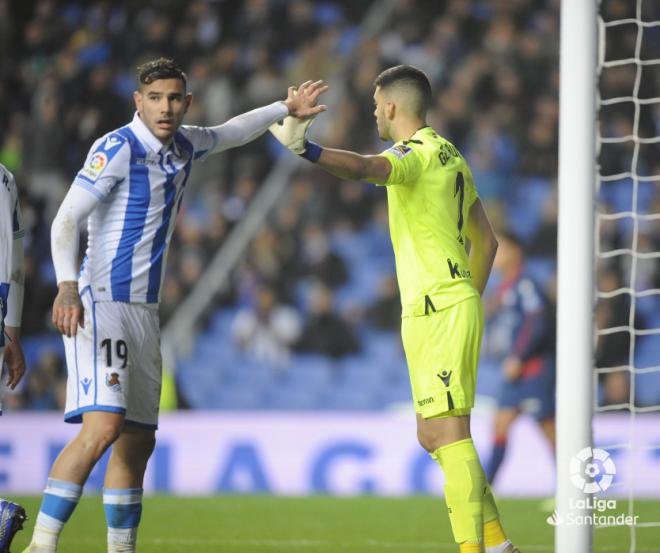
{"type": "Point", "coordinates": [68, 310]}
{"type": "Point", "coordinates": [301, 101]}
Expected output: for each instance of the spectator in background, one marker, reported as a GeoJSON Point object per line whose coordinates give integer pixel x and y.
{"type": "Point", "coordinates": [521, 337]}
{"type": "Point", "coordinates": [267, 331]}
{"type": "Point", "coordinates": [326, 332]}
{"type": "Point", "coordinates": [317, 260]}
{"type": "Point", "coordinates": [385, 312]}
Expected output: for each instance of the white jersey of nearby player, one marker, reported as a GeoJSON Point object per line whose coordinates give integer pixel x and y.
{"type": "Point", "coordinates": [11, 228]}
{"type": "Point", "coordinates": [139, 182]}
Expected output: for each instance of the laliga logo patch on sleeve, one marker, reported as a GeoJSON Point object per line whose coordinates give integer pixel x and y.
{"type": "Point", "coordinates": [400, 151]}
{"type": "Point", "coordinates": [94, 167]}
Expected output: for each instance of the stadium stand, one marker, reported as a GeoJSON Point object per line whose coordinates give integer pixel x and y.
{"type": "Point", "coordinates": [325, 252]}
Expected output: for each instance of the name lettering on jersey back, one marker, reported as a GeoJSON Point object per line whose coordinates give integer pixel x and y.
{"type": "Point", "coordinates": [447, 151]}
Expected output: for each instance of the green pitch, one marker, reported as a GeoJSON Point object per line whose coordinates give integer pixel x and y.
{"type": "Point", "coordinates": [231, 524]}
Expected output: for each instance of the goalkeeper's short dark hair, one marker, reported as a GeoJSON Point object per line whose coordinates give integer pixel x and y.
{"type": "Point", "coordinates": [410, 76]}
{"type": "Point", "coordinates": [161, 68]}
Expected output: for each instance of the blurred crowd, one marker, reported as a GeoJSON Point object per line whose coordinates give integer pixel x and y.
{"type": "Point", "coordinates": [67, 77]}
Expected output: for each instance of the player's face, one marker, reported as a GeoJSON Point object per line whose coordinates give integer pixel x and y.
{"type": "Point", "coordinates": [382, 121]}
{"type": "Point", "coordinates": [162, 105]}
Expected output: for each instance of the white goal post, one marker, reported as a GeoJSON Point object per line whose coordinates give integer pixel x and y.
{"type": "Point", "coordinates": [575, 289]}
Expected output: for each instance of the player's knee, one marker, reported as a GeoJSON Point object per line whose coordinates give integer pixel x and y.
{"type": "Point", "coordinates": [427, 440]}
{"type": "Point", "coordinates": [101, 438]}
{"type": "Point", "coordinates": [147, 444]}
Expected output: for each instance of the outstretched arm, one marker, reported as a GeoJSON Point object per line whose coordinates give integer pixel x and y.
{"type": "Point", "coordinates": [483, 245]}
{"type": "Point", "coordinates": [350, 165]}
{"type": "Point", "coordinates": [300, 103]}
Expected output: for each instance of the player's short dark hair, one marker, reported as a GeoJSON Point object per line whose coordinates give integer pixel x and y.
{"type": "Point", "coordinates": [408, 75]}
{"type": "Point", "coordinates": [161, 68]}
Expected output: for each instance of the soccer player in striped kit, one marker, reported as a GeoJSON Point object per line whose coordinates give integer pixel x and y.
{"type": "Point", "coordinates": [129, 191]}
{"type": "Point", "coordinates": [12, 515]}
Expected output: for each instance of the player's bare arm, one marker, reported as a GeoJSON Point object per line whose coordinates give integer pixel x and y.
{"type": "Point", "coordinates": [350, 165]}
{"type": "Point", "coordinates": [483, 245]}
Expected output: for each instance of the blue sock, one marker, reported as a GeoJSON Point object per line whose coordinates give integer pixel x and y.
{"type": "Point", "coordinates": [123, 509]}
{"type": "Point", "coordinates": [59, 501]}
{"type": "Point", "coordinates": [496, 458]}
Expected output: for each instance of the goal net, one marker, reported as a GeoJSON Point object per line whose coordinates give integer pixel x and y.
{"type": "Point", "coordinates": [627, 239]}
{"type": "Point", "coordinates": [608, 280]}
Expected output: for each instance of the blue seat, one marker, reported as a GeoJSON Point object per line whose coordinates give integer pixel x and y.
{"type": "Point", "coordinates": [36, 346]}
{"type": "Point", "coordinates": [647, 351]}
{"type": "Point", "coordinates": [358, 374]}
{"type": "Point", "coordinates": [526, 209]}
{"type": "Point", "coordinates": [648, 307]}
{"type": "Point", "coordinates": [348, 400]}
{"type": "Point", "coordinates": [249, 374]}
{"type": "Point", "coordinates": [397, 393]}
{"type": "Point", "coordinates": [221, 322]}
{"type": "Point", "coordinates": [309, 372]}
{"type": "Point", "coordinates": [287, 398]}
{"type": "Point", "coordinates": [237, 398]}
{"type": "Point", "coordinates": [647, 388]}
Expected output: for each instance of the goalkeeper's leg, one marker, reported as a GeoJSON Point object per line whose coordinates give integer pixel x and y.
{"type": "Point", "coordinates": [472, 511]}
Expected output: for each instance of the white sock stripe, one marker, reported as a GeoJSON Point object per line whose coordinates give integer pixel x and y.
{"type": "Point", "coordinates": [49, 522]}
{"type": "Point", "coordinates": [122, 499]}
{"type": "Point", "coordinates": [122, 540]}
{"type": "Point", "coordinates": [71, 495]}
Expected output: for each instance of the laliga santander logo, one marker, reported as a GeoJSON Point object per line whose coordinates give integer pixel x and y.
{"type": "Point", "coordinates": [592, 470]}
{"type": "Point", "coordinates": [98, 161]}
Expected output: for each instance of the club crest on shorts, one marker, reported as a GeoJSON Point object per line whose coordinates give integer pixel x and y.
{"type": "Point", "coordinates": [112, 382]}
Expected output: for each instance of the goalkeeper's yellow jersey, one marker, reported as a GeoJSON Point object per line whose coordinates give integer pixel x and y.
{"type": "Point", "coordinates": [429, 191]}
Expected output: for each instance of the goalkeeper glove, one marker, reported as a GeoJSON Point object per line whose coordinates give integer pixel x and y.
{"type": "Point", "coordinates": [291, 131]}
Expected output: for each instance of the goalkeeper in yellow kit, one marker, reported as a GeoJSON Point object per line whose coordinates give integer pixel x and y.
{"type": "Point", "coordinates": [434, 214]}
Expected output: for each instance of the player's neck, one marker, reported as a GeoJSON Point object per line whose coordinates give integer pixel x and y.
{"type": "Point", "coordinates": [405, 129]}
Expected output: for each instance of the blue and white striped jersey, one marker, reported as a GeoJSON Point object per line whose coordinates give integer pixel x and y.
{"type": "Point", "coordinates": [11, 228]}
{"type": "Point", "coordinates": [139, 183]}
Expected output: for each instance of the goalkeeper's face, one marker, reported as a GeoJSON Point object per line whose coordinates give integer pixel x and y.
{"type": "Point", "coordinates": [162, 105]}
{"type": "Point", "coordinates": [381, 114]}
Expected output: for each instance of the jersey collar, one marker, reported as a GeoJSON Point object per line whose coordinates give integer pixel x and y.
{"type": "Point", "coordinates": [147, 138]}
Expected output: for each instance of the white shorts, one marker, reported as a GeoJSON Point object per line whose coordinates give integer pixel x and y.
{"type": "Point", "coordinates": [114, 363]}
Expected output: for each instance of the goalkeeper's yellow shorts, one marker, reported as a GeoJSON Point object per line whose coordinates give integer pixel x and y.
{"type": "Point", "coordinates": [442, 351]}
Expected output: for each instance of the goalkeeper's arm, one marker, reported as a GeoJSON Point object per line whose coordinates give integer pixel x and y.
{"type": "Point", "coordinates": [347, 165]}
{"type": "Point", "coordinates": [351, 165]}
{"type": "Point", "coordinates": [483, 245]}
